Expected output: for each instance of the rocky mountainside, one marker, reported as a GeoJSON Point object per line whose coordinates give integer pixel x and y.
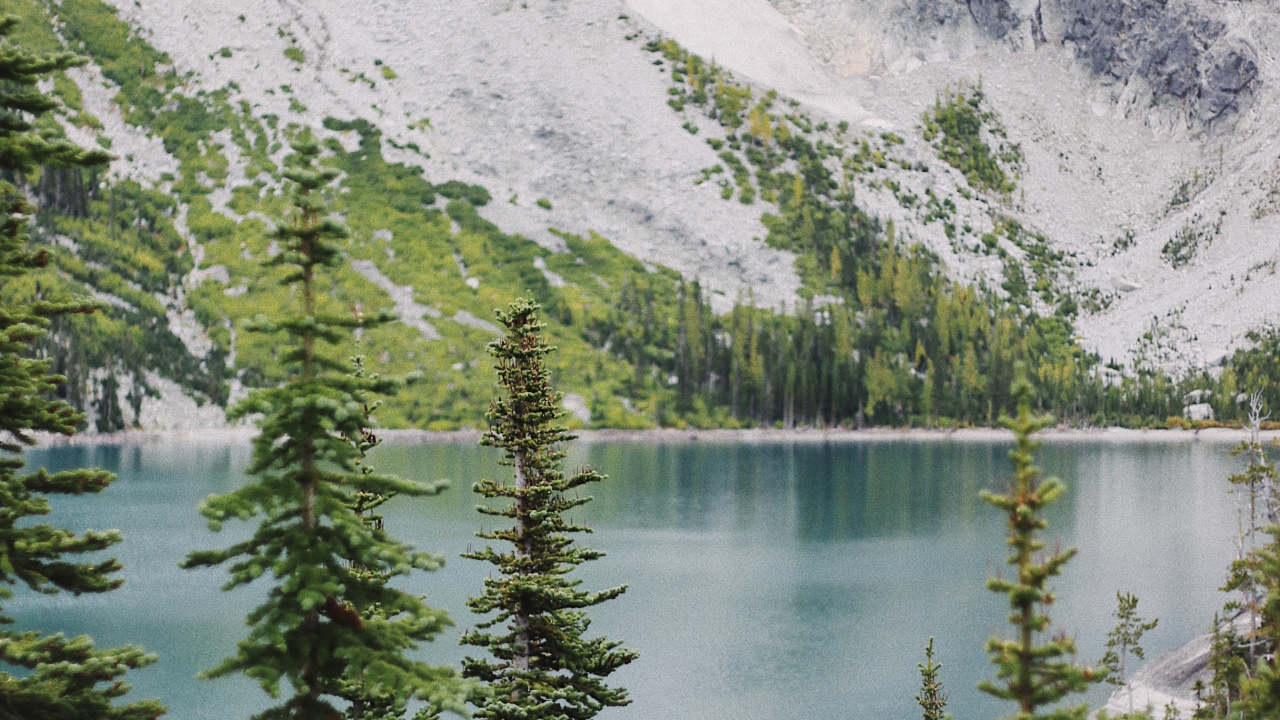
{"type": "Point", "coordinates": [1136, 136]}
{"type": "Point", "coordinates": [1147, 126]}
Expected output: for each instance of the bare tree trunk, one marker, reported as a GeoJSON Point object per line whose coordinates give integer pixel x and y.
{"type": "Point", "coordinates": [1255, 427]}
{"type": "Point", "coordinates": [312, 621]}
{"type": "Point", "coordinates": [520, 657]}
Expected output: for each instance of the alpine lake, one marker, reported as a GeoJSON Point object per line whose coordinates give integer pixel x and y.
{"type": "Point", "coordinates": [776, 581]}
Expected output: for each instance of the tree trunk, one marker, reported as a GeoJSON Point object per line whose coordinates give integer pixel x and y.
{"type": "Point", "coordinates": [520, 656]}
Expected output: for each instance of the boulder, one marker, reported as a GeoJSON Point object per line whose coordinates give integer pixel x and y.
{"type": "Point", "coordinates": [1198, 411]}
{"type": "Point", "coordinates": [995, 17]}
{"type": "Point", "coordinates": [1170, 678]}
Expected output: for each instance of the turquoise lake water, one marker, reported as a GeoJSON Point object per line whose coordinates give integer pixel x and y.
{"type": "Point", "coordinates": [767, 581]}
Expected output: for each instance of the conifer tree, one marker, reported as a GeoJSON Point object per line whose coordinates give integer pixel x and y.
{"type": "Point", "coordinates": [1260, 694]}
{"type": "Point", "coordinates": [1226, 662]}
{"type": "Point", "coordinates": [1033, 674]}
{"type": "Point", "coordinates": [367, 699]}
{"type": "Point", "coordinates": [543, 667]}
{"type": "Point", "coordinates": [931, 698]}
{"type": "Point", "coordinates": [1124, 640]}
{"type": "Point", "coordinates": [310, 631]}
{"type": "Point", "coordinates": [1260, 480]}
{"type": "Point", "coordinates": [1246, 676]}
{"type": "Point", "coordinates": [57, 678]}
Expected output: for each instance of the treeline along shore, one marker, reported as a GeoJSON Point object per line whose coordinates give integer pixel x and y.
{"type": "Point", "coordinates": [243, 434]}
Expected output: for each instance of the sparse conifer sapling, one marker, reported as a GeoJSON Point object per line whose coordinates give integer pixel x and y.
{"type": "Point", "coordinates": [1259, 480]}
{"type": "Point", "coordinates": [543, 667]}
{"type": "Point", "coordinates": [53, 677]}
{"type": "Point", "coordinates": [331, 623]}
{"type": "Point", "coordinates": [1032, 671]}
{"type": "Point", "coordinates": [1124, 640]}
{"type": "Point", "coordinates": [931, 698]}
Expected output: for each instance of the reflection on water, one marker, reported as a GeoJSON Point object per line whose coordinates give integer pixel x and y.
{"type": "Point", "coordinates": [766, 581]}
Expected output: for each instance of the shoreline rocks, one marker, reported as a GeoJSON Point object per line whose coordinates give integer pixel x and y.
{"type": "Point", "coordinates": [1170, 678]}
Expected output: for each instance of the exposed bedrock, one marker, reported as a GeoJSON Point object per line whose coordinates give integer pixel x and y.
{"type": "Point", "coordinates": [1183, 53]}
{"type": "Point", "coordinates": [1193, 55]}
{"type": "Point", "coordinates": [1001, 18]}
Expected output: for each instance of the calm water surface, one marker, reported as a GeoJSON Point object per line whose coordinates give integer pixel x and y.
{"type": "Point", "coordinates": [775, 581]}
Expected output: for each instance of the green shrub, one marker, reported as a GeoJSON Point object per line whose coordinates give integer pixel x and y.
{"type": "Point", "coordinates": [474, 194]}
{"type": "Point", "coordinates": [955, 127]}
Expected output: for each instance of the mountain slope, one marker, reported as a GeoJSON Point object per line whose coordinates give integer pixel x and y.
{"type": "Point", "coordinates": [1150, 153]}
{"type": "Point", "coordinates": [1042, 182]}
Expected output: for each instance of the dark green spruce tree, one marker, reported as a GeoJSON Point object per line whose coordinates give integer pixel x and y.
{"type": "Point", "coordinates": [327, 563]}
{"type": "Point", "coordinates": [54, 677]}
{"type": "Point", "coordinates": [542, 665]}
{"type": "Point", "coordinates": [1031, 670]}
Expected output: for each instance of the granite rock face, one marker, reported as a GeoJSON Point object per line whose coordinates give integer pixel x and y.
{"type": "Point", "coordinates": [1184, 51]}
{"type": "Point", "coordinates": [998, 19]}
{"type": "Point", "coordinates": [938, 12]}
{"type": "Point", "coordinates": [1001, 19]}
{"type": "Point", "coordinates": [1184, 54]}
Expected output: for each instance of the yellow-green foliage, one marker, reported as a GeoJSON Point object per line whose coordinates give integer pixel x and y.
{"type": "Point", "coordinates": [380, 196]}
{"type": "Point", "coordinates": [93, 28]}
{"type": "Point", "coordinates": [955, 126]}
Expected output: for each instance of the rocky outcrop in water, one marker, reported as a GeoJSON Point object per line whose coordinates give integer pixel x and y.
{"type": "Point", "coordinates": [1182, 53]}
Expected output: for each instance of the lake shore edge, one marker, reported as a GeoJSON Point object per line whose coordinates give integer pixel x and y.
{"type": "Point", "coordinates": [233, 435]}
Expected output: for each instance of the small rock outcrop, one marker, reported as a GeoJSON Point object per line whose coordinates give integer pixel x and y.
{"type": "Point", "coordinates": [1004, 20]}
{"type": "Point", "coordinates": [1181, 52]}
{"type": "Point", "coordinates": [1000, 19]}
{"type": "Point", "coordinates": [1170, 678]}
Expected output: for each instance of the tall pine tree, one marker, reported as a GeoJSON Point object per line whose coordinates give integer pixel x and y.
{"type": "Point", "coordinates": [312, 630]}
{"type": "Point", "coordinates": [1032, 671]}
{"type": "Point", "coordinates": [56, 678]}
{"type": "Point", "coordinates": [543, 667]}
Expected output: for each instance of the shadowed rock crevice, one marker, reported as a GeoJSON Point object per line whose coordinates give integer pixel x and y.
{"type": "Point", "coordinates": [997, 18]}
